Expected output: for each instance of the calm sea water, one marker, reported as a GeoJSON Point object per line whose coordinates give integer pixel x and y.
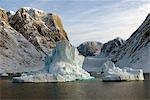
{"type": "Point", "coordinates": [79, 90]}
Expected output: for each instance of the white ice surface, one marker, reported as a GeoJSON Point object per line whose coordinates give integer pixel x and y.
{"type": "Point", "coordinates": [112, 73]}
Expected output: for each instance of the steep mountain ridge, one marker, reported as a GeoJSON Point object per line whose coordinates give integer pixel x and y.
{"type": "Point", "coordinates": [136, 50]}
{"type": "Point", "coordinates": [32, 36]}
{"type": "Point", "coordinates": [111, 47]}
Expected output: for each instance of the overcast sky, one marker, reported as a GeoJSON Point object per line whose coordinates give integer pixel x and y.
{"type": "Point", "coordinates": [91, 20]}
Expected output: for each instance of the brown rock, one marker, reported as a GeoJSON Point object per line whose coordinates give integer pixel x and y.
{"type": "Point", "coordinates": [42, 29]}
{"type": "Point", "coordinates": [3, 16]}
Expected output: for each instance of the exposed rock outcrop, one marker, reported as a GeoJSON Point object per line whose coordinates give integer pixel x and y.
{"type": "Point", "coordinates": [32, 36]}
{"type": "Point", "coordinates": [136, 50]}
{"type": "Point", "coordinates": [42, 29]}
{"type": "Point", "coordinates": [3, 16]}
{"type": "Point", "coordinates": [90, 48]}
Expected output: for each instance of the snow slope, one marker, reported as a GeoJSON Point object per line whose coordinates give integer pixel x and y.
{"type": "Point", "coordinates": [135, 53]}
{"type": "Point", "coordinates": [16, 53]}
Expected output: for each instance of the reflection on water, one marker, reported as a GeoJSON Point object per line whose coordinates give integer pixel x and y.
{"type": "Point", "coordinates": [79, 90]}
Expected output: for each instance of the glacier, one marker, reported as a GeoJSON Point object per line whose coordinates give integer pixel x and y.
{"type": "Point", "coordinates": [112, 73]}
{"type": "Point", "coordinates": [64, 64]}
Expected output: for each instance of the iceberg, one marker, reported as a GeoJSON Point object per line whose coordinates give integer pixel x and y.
{"type": "Point", "coordinates": [65, 64]}
{"type": "Point", "coordinates": [112, 73]}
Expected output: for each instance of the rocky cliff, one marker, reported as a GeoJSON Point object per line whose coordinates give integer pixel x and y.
{"type": "Point", "coordinates": [3, 16]}
{"type": "Point", "coordinates": [31, 36]}
{"type": "Point", "coordinates": [42, 29]}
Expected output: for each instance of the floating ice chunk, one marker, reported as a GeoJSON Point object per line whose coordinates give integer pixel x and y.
{"type": "Point", "coordinates": [65, 64]}
{"type": "Point", "coordinates": [4, 75]}
{"type": "Point", "coordinates": [112, 73]}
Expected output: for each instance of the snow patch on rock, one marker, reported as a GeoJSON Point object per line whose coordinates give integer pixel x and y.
{"type": "Point", "coordinates": [111, 47]}
{"type": "Point", "coordinates": [90, 48]}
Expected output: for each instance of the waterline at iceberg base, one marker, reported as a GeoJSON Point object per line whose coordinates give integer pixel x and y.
{"type": "Point", "coordinates": [65, 64]}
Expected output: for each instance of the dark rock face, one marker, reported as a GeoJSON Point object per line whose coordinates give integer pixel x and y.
{"type": "Point", "coordinates": [90, 48]}
{"type": "Point", "coordinates": [110, 48]}
{"type": "Point", "coordinates": [136, 50]}
{"type": "Point", "coordinates": [42, 29]}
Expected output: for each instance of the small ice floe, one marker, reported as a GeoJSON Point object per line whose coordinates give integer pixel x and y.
{"type": "Point", "coordinates": [112, 73]}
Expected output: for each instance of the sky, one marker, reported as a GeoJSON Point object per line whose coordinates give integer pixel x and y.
{"type": "Point", "coordinates": [91, 20]}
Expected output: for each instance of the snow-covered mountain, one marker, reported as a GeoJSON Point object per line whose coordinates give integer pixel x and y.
{"type": "Point", "coordinates": [40, 28]}
{"type": "Point", "coordinates": [110, 48]}
{"type": "Point", "coordinates": [25, 43]}
{"type": "Point", "coordinates": [90, 48]}
{"type": "Point", "coordinates": [16, 53]}
{"type": "Point", "coordinates": [135, 52]}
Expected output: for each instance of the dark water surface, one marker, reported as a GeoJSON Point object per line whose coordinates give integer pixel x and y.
{"type": "Point", "coordinates": [79, 90]}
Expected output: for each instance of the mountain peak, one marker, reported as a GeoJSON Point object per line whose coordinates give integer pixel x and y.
{"type": "Point", "coordinates": [42, 29]}
{"type": "Point", "coordinates": [27, 37]}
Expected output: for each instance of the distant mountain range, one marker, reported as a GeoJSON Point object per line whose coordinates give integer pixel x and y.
{"type": "Point", "coordinates": [134, 52]}
{"type": "Point", "coordinates": [90, 48]}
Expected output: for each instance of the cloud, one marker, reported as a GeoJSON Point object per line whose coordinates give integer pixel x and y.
{"type": "Point", "coordinates": [107, 22]}
{"type": "Point", "coordinates": [45, 0]}
{"type": "Point", "coordinates": [91, 20]}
